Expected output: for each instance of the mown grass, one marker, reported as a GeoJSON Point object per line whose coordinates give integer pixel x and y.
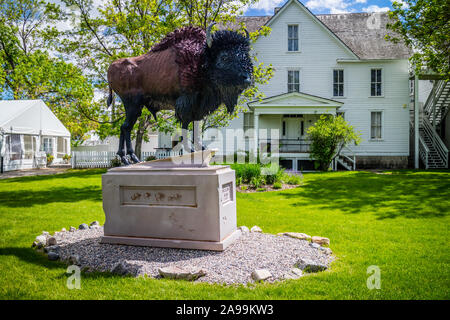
{"type": "Point", "coordinates": [398, 221]}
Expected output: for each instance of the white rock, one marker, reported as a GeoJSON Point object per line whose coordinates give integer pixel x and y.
{"type": "Point", "coordinates": [261, 274]}
{"type": "Point", "coordinates": [294, 273]}
{"type": "Point", "coordinates": [256, 229]}
{"type": "Point", "coordinates": [45, 233]}
{"type": "Point", "coordinates": [41, 240]}
{"type": "Point", "coordinates": [52, 241]}
{"type": "Point", "coordinates": [244, 229]}
{"type": "Point", "coordinates": [189, 273]}
{"type": "Point", "coordinates": [321, 240]}
{"type": "Point", "coordinates": [72, 229]}
{"type": "Point", "coordinates": [94, 223]}
{"type": "Point", "coordinates": [298, 235]}
{"type": "Point", "coordinates": [63, 230]}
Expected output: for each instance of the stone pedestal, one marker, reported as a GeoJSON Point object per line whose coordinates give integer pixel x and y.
{"type": "Point", "coordinates": [168, 204]}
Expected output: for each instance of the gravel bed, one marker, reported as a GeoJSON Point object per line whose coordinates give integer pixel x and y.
{"type": "Point", "coordinates": [251, 251]}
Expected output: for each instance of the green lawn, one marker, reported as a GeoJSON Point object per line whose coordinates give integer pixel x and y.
{"type": "Point", "coordinates": [398, 222]}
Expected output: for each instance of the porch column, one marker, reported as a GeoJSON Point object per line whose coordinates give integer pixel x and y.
{"type": "Point", "coordinates": [416, 121]}
{"type": "Point", "coordinates": [256, 130]}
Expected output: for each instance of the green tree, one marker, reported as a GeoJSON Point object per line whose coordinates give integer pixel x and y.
{"type": "Point", "coordinates": [328, 136]}
{"type": "Point", "coordinates": [124, 28]}
{"type": "Point", "coordinates": [28, 71]}
{"type": "Point", "coordinates": [425, 26]}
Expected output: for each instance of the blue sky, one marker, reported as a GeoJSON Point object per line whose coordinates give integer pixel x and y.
{"type": "Point", "coordinates": [265, 7]}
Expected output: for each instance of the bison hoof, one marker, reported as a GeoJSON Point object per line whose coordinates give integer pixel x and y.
{"type": "Point", "coordinates": [125, 160]}
{"type": "Point", "coordinates": [134, 158]}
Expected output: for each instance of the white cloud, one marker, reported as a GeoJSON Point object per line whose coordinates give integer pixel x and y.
{"type": "Point", "coordinates": [360, 1]}
{"type": "Point", "coordinates": [334, 6]}
{"type": "Point", "coordinates": [266, 5]}
{"type": "Point", "coordinates": [375, 8]}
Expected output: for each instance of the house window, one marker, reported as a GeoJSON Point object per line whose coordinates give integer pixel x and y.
{"type": "Point", "coordinates": [293, 81]}
{"type": "Point", "coordinates": [48, 145]}
{"type": "Point", "coordinates": [338, 83]}
{"type": "Point", "coordinates": [375, 125]}
{"type": "Point", "coordinates": [248, 122]}
{"type": "Point", "coordinates": [61, 147]}
{"type": "Point", "coordinates": [14, 146]}
{"type": "Point", "coordinates": [375, 82]}
{"type": "Point", "coordinates": [29, 142]}
{"type": "Point", "coordinates": [284, 128]}
{"type": "Point", "coordinates": [293, 38]}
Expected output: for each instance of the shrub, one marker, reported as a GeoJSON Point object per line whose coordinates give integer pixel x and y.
{"type": "Point", "coordinates": [247, 171]}
{"type": "Point", "coordinates": [243, 188]}
{"type": "Point", "coordinates": [150, 158]}
{"type": "Point", "coordinates": [328, 136]}
{"type": "Point", "coordinates": [277, 185]}
{"type": "Point", "coordinates": [292, 179]}
{"type": "Point", "coordinates": [49, 159]}
{"type": "Point", "coordinates": [273, 173]}
{"type": "Point", "coordinates": [257, 182]}
{"type": "Point", "coordinates": [238, 181]}
{"type": "Point", "coordinates": [261, 189]}
{"type": "Point", "coordinates": [116, 162]}
{"type": "Point", "coordinates": [67, 157]}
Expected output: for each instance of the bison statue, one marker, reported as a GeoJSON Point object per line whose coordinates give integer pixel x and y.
{"type": "Point", "coordinates": [190, 71]}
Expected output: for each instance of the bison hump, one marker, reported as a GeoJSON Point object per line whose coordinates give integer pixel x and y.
{"type": "Point", "coordinates": [189, 46]}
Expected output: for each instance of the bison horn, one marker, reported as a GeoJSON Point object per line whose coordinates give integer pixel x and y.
{"type": "Point", "coordinates": [208, 35]}
{"type": "Point", "coordinates": [247, 35]}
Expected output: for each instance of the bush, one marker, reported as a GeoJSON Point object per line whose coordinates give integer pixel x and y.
{"type": "Point", "coordinates": [67, 157]}
{"type": "Point", "coordinates": [273, 173]}
{"type": "Point", "coordinates": [116, 162]}
{"type": "Point", "coordinates": [328, 136]}
{"type": "Point", "coordinates": [49, 159]}
{"type": "Point", "coordinates": [292, 179]}
{"type": "Point", "coordinates": [261, 189]}
{"type": "Point", "coordinates": [150, 158]}
{"type": "Point", "coordinates": [246, 171]}
{"type": "Point", "coordinates": [243, 188]}
{"type": "Point", "coordinates": [277, 185]}
{"type": "Point", "coordinates": [257, 182]}
{"type": "Point", "coordinates": [238, 181]}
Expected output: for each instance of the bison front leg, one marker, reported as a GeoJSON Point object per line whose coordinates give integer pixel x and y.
{"type": "Point", "coordinates": [132, 114]}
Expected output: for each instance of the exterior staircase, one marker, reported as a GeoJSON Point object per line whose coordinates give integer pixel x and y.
{"type": "Point", "coordinates": [432, 150]}
{"type": "Point", "coordinates": [346, 159]}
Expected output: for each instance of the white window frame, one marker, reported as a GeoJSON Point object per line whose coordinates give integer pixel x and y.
{"type": "Point", "coordinates": [299, 80]}
{"type": "Point", "coordinates": [343, 83]}
{"type": "Point", "coordinates": [44, 139]}
{"type": "Point", "coordinates": [249, 124]}
{"type": "Point", "coordinates": [298, 37]}
{"type": "Point", "coordinates": [381, 82]}
{"type": "Point", "coordinates": [382, 125]}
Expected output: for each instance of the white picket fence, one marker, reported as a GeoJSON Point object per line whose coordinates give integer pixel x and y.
{"type": "Point", "coordinates": [102, 159]}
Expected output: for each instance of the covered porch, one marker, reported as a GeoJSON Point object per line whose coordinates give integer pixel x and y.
{"type": "Point", "coordinates": [284, 120]}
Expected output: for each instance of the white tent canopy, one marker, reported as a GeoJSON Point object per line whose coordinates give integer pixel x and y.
{"type": "Point", "coordinates": [31, 117]}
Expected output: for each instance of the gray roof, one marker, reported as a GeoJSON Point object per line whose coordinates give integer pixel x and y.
{"type": "Point", "coordinates": [354, 29]}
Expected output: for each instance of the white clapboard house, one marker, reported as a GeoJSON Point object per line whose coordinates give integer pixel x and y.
{"type": "Point", "coordinates": [330, 64]}
{"type": "Point", "coordinates": [28, 132]}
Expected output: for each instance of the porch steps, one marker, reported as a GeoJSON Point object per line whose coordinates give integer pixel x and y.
{"type": "Point", "coordinates": [432, 150]}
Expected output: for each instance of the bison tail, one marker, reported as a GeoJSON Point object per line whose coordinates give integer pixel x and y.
{"type": "Point", "coordinates": [110, 97]}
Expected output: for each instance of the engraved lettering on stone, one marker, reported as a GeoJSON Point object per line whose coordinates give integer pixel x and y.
{"type": "Point", "coordinates": [227, 192]}
{"type": "Point", "coordinates": [159, 195]}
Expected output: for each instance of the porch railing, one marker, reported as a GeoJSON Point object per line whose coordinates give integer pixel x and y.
{"type": "Point", "coordinates": [286, 145]}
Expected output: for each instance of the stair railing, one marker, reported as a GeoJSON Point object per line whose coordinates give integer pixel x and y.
{"type": "Point", "coordinates": [349, 154]}
{"type": "Point", "coordinates": [436, 140]}
{"type": "Point", "coordinates": [433, 97]}
{"type": "Point", "coordinates": [423, 151]}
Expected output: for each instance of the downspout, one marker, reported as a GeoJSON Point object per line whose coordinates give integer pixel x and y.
{"type": "Point", "coordinates": [416, 121]}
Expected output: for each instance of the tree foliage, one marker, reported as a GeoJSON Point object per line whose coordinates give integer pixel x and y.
{"type": "Point", "coordinates": [328, 136]}
{"type": "Point", "coordinates": [424, 25]}
{"type": "Point", "coordinates": [124, 28]}
{"type": "Point", "coordinates": [28, 71]}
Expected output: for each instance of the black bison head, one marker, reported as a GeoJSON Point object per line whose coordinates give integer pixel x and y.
{"type": "Point", "coordinates": [228, 62]}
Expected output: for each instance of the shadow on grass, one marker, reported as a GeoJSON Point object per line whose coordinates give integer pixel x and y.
{"type": "Point", "coordinates": [27, 198]}
{"type": "Point", "coordinates": [71, 173]}
{"type": "Point", "coordinates": [389, 195]}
